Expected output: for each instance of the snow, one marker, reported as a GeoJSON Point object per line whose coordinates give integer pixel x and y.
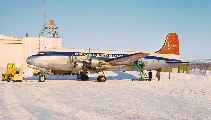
{"type": "Point", "coordinates": [184, 96]}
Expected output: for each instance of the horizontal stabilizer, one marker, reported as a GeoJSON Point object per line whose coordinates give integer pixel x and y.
{"type": "Point", "coordinates": [176, 62]}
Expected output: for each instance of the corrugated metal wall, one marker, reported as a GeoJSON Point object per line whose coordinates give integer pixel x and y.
{"type": "Point", "coordinates": [10, 51]}
{"type": "Point", "coordinates": [46, 43]}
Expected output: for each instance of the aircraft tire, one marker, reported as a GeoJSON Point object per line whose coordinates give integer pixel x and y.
{"type": "Point", "coordinates": [84, 77]}
{"type": "Point", "coordinates": [101, 78]}
{"type": "Point", "coordinates": [42, 78]}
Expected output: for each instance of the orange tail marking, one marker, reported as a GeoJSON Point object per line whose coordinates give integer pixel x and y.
{"type": "Point", "coordinates": [140, 54]}
{"type": "Point", "coordinates": [171, 46]}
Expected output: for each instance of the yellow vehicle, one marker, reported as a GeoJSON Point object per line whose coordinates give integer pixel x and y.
{"type": "Point", "coordinates": [10, 73]}
{"type": "Point", "coordinates": [17, 78]}
{"type": "Point", "coordinates": [37, 72]}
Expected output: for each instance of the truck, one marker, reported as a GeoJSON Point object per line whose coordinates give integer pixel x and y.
{"type": "Point", "coordinates": [12, 73]}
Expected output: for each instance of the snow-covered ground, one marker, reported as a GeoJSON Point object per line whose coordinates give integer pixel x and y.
{"type": "Point", "coordinates": [184, 96]}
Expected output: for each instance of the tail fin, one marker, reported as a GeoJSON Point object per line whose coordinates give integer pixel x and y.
{"type": "Point", "coordinates": [171, 45]}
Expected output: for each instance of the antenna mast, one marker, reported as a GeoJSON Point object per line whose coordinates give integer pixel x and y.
{"type": "Point", "coordinates": [44, 12]}
{"type": "Point", "coordinates": [52, 29]}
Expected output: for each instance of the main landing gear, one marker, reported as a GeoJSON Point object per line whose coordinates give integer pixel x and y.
{"type": "Point", "coordinates": [101, 78]}
{"type": "Point", "coordinates": [83, 76]}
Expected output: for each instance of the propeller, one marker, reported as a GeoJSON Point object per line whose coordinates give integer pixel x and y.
{"type": "Point", "coordinates": [89, 54]}
{"type": "Point", "coordinates": [72, 58]}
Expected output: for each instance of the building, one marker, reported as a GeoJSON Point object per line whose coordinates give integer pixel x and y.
{"type": "Point", "coordinates": [17, 50]}
{"type": "Point", "coordinates": [182, 68]}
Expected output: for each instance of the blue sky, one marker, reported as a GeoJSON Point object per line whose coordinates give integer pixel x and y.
{"type": "Point", "coordinates": [131, 25]}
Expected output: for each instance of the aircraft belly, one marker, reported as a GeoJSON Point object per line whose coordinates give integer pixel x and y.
{"type": "Point", "coordinates": [155, 65]}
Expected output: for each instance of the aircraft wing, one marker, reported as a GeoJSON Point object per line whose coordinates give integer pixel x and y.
{"type": "Point", "coordinates": [126, 59]}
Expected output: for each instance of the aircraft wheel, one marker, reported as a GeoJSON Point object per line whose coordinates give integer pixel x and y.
{"type": "Point", "coordinates": [42, 78]}
{"type": "Point", "coordinates": [8, 78]}
{"type": "Point", "coordinates": [84, 77]}
{"type": "Point", "coordinates": [3, 77]}
{"type": "Point", "coordinates": [101, 78]}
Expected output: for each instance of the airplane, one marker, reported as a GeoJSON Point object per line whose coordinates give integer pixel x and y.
{"type": "Point", "coordinates": [82, 61]}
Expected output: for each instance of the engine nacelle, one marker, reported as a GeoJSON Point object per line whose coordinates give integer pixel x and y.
{"type": "Point", "coordinates": [94, 62]}
{"type": "Point", "coordinates": [78, 65]}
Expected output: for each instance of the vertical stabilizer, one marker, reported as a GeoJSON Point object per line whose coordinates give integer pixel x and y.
{"type": "Point", "coordinates": [171, 45]}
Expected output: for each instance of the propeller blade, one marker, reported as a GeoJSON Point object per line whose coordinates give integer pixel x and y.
{"type": "Point", "coordinates": [89, 54]}
{"type": "Point", "coordinates": [72, 58]}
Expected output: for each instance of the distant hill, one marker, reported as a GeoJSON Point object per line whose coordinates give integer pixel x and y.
{"type": "Point", "coordinates": [202, 64]}
{"type": "Point", "coordinates": [199, 61]}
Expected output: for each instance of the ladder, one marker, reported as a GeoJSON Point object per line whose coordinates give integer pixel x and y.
{"type": "Point", "coordinates": [139, 66]}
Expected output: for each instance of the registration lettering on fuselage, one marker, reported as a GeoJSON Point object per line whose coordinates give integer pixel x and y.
{"type": "Point", "coordinates": [99, 55]}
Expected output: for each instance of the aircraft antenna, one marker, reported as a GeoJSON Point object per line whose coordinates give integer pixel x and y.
{"type": "Point", "coordinates": [43, 29]}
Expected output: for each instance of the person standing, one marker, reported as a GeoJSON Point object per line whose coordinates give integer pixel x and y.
{"type": "Point", "coordinates": [150, 75]}
{"type": "Point", "coordinates": [158, 75]}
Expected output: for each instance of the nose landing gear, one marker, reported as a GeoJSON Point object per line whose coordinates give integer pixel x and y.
{"type": "Point", "coordinates": [42, 78]}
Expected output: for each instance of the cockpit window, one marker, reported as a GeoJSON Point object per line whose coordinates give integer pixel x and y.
{"type": "Point", "coordinates": [42, 54]}
{"type": "Point", "coordinates": [46, 54]}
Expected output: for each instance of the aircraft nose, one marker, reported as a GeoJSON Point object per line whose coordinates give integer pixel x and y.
{"type": "Point", "coordinates": [29, 60]}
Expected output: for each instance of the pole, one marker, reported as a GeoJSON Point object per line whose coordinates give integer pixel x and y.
{"type": "Point", "coordinates": [44, 12]}
{"type": "Point", "coordinates": [169, 72]}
